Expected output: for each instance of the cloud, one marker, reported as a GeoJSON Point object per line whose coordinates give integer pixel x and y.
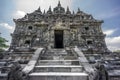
{"type": "Point", "coordinates": [113, 40]}
{"type": "Point", "coordinates": [109, 32]}
{"type": "Point", "coordinates": [31, 5]}
{"type": "Point", "coordinates": [109, 14]}
{"type": "Point", "coordinates": [7, 26]}
{"type": "Point", "coordinates": [19, 14]}
{"type": "Point", "coordinates": [113, 43]}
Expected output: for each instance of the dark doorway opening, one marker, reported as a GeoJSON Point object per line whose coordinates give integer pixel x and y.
{"type": "Point", "coordinates": [58, 39]}
{"type": "Point", "coordinates": [27, 42]}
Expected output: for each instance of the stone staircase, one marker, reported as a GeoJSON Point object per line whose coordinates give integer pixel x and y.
{"type": "Point", "coordinates": [58, 64]}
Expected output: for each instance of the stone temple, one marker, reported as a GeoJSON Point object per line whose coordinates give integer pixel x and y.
{"type": "Point", "coordinates": [59, 45]}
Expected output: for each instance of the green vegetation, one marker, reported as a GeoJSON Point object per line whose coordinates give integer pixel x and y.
{"type": "Point", "coordinates": [3, 44]}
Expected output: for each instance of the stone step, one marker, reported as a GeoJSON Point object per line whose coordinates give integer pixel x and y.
{"type": "Point", "coordinates": [58, 76]}
{"type": "Point", "coordinates": [57, 52]}
{"type": "Point", "coordinates": [56, 57]}
{"type": "Point", "coordinates": [58, 62]}
{"type": "Point", "coordinates": [58, 68]}
{"type": "Point", "coordinates": [54, 54]}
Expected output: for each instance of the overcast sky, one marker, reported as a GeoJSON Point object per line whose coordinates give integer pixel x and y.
{"type": "Point", "coordinates": [107, 10]}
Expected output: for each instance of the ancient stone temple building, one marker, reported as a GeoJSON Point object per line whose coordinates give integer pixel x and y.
{"type": "Point", "coordinates": [58, 44]}
{"type": "Point", "coordinates": [59, 28]}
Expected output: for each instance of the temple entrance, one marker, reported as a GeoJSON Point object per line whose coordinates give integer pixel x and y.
{"type": "Point", "coordinates": [58, 42]}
